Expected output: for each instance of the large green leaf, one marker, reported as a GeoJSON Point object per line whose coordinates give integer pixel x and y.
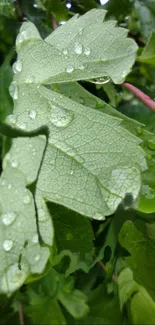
{"type": "Point", "coordinates": [83, 48]}
{"type": "Point", "coordinates": [142, 255]}
{"type": "Point", "coordinates": [6, 104]}
{"type": "Point", "coordinates": [20, 253]}
{"type": "Point", "coordinates": [88, 161]}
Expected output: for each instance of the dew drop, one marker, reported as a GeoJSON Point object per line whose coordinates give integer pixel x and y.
{"type": "Point", "coordinates": [11, 119]}
{"type": "Point", "coordinates": [69, 68]}
{"type": "Point", "coordinates": [87, 51]}
{"type": "Point", "coordinates": [139, 130]}
{"type": "Point", "coordinates": [21, 37]}
{"type": "Point", "coordinates": [13, 90]}
{"type": "Point", "coordinates": [7, 245]}
{"type": "Point", "coordinates": [14, 163]}
{"type": "Point", "coordinates": [151, 144]}
{"type": "Point", "coordinates": [27, 199]}
{"type": "Point", "coordinates": [35, 239]}
{"type": "Point", "coordinates": [9, 218]}
{"type": "Point", "coordinates": [65, 51]}
{"type": "Point", "coordinates": [13, 278]}
{"type": "Point", "coordinates": [9, 187]}
{"type": "Point", "coordinates": [22, 126]}
{"type": "Point", "coordinates": [61, 117]}
{"type": "Point", "coordinates": [37, 258]}
{"type": "Point", "coordinates": [32, 114]}
{"type": "Point", "coordinates": [3, 182]}
{"type": "Point", "coordinates": [78, 48]}
{"type": "Point", "coordinates": [100, 81]}
{"type": "Point", "coordinates": [17, 66]}
{"type": "Point", "coordinates": [71, 172]}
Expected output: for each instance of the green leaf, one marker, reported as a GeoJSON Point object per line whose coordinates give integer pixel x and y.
{"type": "Point", "coordinates": [73, 300]}
{"type": "Point", "coordinates": [146, 16]}
{"type": "Point", "coordinates": [142, 255]}
{"type": "Point", "coordinates": [70, 231]}
{"type": "Point", "coordinates": [84, 48]}
{"type": "Point", "coordinates": [20, 251]}
{"type": "Point", "coordinates": [45, 311]}
{"type": "Point", "coordinates": [148, 54]}
{"type": "Point", "coordinates": [6, 103]}
{"type": "Point", "coordinates": [88, 162]}
{"type": "Point", "coordinates": [82, 164]}
{"type": "Point", "coordinates": [142, 307]}
{"type": "Point", "coordinates": [104, 308]}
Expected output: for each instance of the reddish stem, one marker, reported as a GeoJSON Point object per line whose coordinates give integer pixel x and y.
{"type": "Point", "coordinates": [21, 317]}
{"type": "Point", "coordinates": [114, 277]}
{"type": "Point", "coordinates": [150, 103]}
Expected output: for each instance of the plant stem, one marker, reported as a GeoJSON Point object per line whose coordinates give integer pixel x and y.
{"type": "Point", "coordinates": [114, 277]}
{"type": "Point", "coordinates": [20, 309]}
{"type": "Point", "coordinates": [150, 103]}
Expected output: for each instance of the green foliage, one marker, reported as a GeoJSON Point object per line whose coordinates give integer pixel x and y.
{"type": "Point", "coordinates": [77, 199]}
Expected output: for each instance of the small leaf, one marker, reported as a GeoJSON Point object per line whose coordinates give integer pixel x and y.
{"type": "Point", "coordinates": [148, 54]}
{"type": "Point", "coordinates": [142, 255]}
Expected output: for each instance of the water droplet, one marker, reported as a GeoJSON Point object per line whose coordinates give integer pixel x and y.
{"type": "Point", "coordinates": [27, 199]}
{"type": "Point", "coordinates": [9, 218]}
{"type": "Point", "coordinates": [21, 37]}
{"type": "Point", "coordinates": [100, 81]}
{"type": "Point", "coordinates": [62, 22]}
{"type": "Point", "coordinates": [7, 244]}
{"type": "Point", "coordinates": [17, 66]}
{"type": "Point", "coordinates": [61, 117]}
{"type": "Point", "coordinates": [11, 119]}
{"type": "Point", "coordinates": [32, 114]}
{"type": "Point", "coordinates": [149, 157]}
{"type": "Point", "coordinates": [71, 172]}
{"type": "Point", "coordinates": [139, 130]}
{"type": "Point", "coordinates": [3, 182]}
{"type": "Point", "coordinates": [98, 216]}
{"type": "Point", "coordinates": [13, 90]}
{"type": "Point", "coordinates": [35, 5]}
{"type": "Point", "coordinates": [78, 48]}
{"type": "Point", "coordinates": [68, 5]}
{"type": "Point", "coordinates": [151, 144]}
{"type": "Point", "coordinates": [69, 68]}
{"type": "Point", "coordinates": [13, 278]}
{"type": "Point", "coordinates": [30, 79]}
{"type": "Point", "coordinates": [81, 67]}
{"type": "Point", "coordinates": [65, 51]}
{"type": "Point", "coordinates": [87, 51]}
{"type": "Point", "coordinates": [14, 163]}
{"type": "Point", "coordinates": [37, 258]}
{"type": "Point", "coordinates": [22, 126]}
{"type": "Point", "coordinates": [9, 187]}
{"type": "Point", "coordinates": [35, 238]}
